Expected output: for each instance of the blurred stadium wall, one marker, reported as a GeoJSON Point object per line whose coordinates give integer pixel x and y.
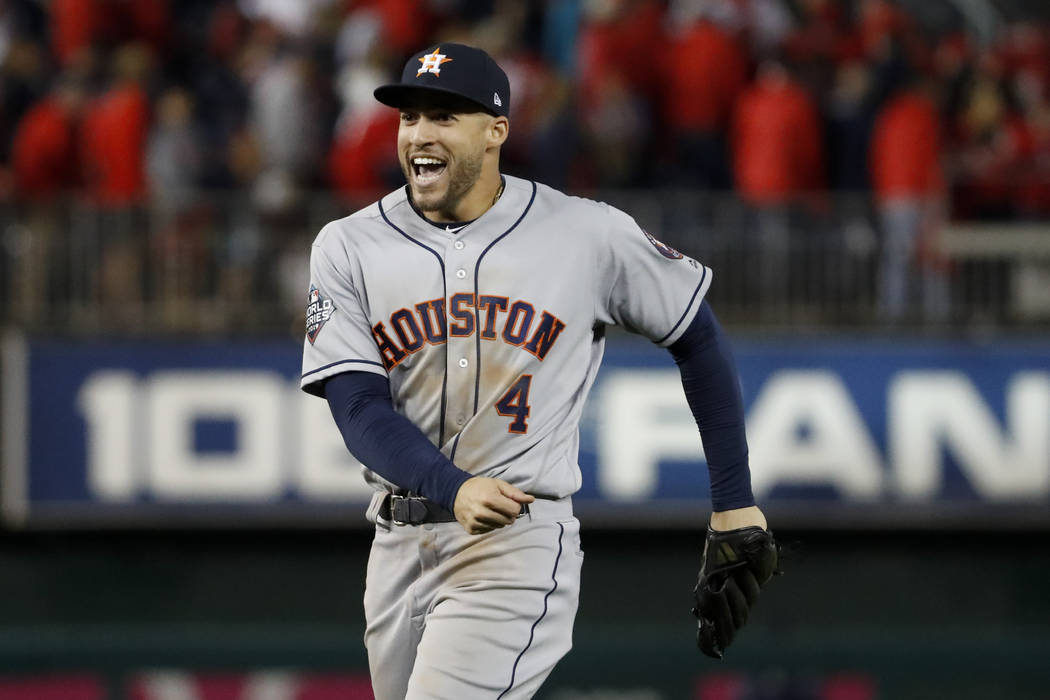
{"type": "Point", "coordinates": [870, 181]}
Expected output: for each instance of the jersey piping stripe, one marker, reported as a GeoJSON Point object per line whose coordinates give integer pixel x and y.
{"type": "Point", "coordinates": [340, 362]}
{"type": "Point", "coordinates": [477, 316]}
{"type": "Point", "coordinates": [687, 307]}
{"type": "Point", "coordinates": [532, 632]}
{"type": "Point", "coordinates": [455, 444]}
{"type": "Point", "coordinates": [444, 294]}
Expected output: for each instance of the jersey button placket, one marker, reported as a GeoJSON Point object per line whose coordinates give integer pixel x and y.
{"type": "Point", "coordinates": [460, 349]}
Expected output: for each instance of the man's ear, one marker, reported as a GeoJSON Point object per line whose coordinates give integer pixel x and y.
{"type": "Point", "coordinates": [498, 130]}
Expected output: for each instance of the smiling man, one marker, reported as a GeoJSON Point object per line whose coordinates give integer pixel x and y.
{"type": "Point", "coordinates": [449, 144]}
{"type": "Point", "coordinates": [455, 328]}
{"type": "Point", "coordinates": [446, 151]}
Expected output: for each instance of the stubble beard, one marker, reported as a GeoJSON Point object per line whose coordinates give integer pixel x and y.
{"type": "Point", "coordinates": [461, 179]}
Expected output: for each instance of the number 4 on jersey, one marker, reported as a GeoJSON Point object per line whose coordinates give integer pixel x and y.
{"type": "Point", "coordinates": [516, 403]}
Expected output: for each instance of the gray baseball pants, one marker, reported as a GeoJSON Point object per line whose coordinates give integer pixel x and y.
{"type": "Point", "coordinates": [454, 616]}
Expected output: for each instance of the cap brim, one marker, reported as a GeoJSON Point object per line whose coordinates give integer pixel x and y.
{"type": "Point", "coordinates": [399, 95]}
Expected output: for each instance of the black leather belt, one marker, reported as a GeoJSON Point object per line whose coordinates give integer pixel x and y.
{"type": "Point", "coordinates": [416, 510]}
{"type": "Point", "coordinates": [413, 510]}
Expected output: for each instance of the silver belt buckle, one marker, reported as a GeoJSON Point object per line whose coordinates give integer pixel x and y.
{"type": "Point", "coordinates": [414, 507]}
{"type": "Point", "coordinates": [394, 498]}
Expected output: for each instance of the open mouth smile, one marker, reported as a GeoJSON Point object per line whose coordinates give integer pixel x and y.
{"type": "Point", "coordinates": [427, 169]}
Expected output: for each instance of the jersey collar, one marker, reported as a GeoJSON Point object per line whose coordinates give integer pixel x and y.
{"type": "Point", "coordinates": [450, 227]}
{"type": "Point", "coordinates": [516, 199]}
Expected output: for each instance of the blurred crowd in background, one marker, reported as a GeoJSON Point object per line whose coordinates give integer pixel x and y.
{"type": "Point", "coordinates": [123, 99]}
{"type": "Point", "coordinates": [146, 104]}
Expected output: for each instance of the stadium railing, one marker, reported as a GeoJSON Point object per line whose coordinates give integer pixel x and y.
{"type": "Point", "coordinates": [224, 262]}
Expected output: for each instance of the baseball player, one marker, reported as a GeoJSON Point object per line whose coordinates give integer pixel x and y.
{"type": "Point", "coordinates": [455, 328]}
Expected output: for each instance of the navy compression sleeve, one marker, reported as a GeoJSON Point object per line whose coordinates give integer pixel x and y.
{"type": "Point", "coordinates": [713, 392]}
{"type": "Point", "coordinates": [388, 443]}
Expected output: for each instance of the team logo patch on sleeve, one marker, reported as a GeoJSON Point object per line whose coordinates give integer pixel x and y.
{"type": "Point", "coordinates": [665, 250]}
{"type": "Point", "coordinates": [319, 309]}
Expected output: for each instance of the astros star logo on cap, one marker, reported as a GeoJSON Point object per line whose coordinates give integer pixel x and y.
{"type": "Point", "coordinates": [432, 62]}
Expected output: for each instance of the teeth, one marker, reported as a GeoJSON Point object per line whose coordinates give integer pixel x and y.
{"type": "Point", "coordinates": [427, 161]}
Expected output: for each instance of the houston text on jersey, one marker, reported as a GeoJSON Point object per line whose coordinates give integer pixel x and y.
{"type": "Point", "coordinates": [516, 322]}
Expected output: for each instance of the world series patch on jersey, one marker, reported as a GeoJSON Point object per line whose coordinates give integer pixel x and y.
{"type": "Point", "coordinates": [490, 335]}
{"type": "Point", "coordinates": [319, 309]}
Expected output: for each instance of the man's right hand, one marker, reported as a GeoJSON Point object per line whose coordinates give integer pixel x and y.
{"type": "Point", "coordinates": [484, 504]}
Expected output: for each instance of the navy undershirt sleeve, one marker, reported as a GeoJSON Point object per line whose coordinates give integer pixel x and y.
{"type": "Point", "coordinates": [388, 443]}
{"type": "Point", "coordinates": [712, 390]}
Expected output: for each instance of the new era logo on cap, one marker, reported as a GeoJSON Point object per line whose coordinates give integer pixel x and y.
{"type": "Point", "coordinates": [450, 70]}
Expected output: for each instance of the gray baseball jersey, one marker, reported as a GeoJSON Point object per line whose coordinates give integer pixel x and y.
{"type": "Point", "coordinates": [491, 336]}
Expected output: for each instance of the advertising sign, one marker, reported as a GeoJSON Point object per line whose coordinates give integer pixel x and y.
{"type": "Point", "coordinates": [841, 433]}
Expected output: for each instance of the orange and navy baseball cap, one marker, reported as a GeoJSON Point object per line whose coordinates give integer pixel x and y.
{"type": "Point", "coordinates": [451, 70]}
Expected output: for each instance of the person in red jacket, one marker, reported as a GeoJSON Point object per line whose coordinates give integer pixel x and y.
{"type": "Point", "coordinates": [905, 161]}
{"type": "Point", "coordinates": [115, 130]}
{"type": "Point", "coordinates": [360, 164]}
{"type": "Point", "coordinates": [74, 25]}
{"type": "Point", "coordinates": [44, 168]}
{"type": "Point", "coordinates": [777, 153]}
{"type": "Point", "coordinates": [706, 71]}
{"type": "Point", "coordinates": [777, 159]}
{"type": "Point", "coordinates": [44, 149]}
{"type": "Point", "coordinates": [619, 76]}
